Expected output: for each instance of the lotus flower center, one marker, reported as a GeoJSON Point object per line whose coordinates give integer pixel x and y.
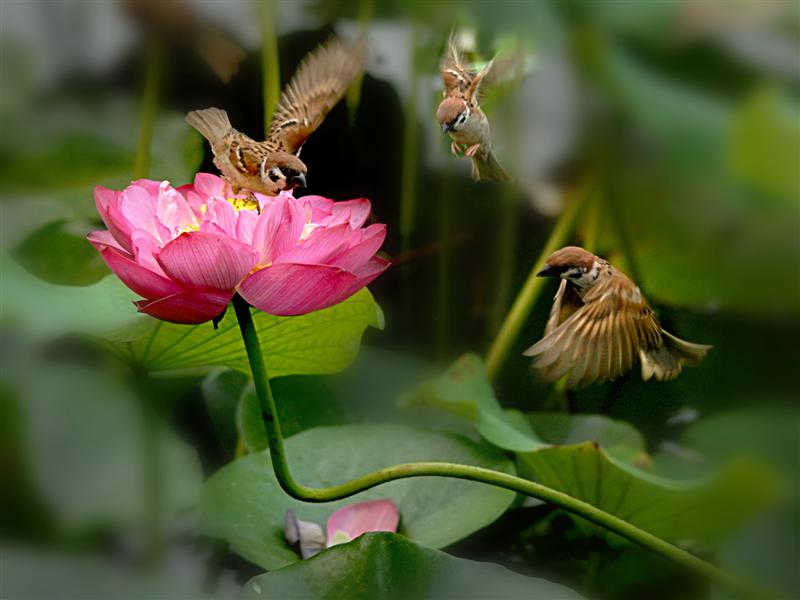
{"type": "Point", "coordinates": [244, 203]}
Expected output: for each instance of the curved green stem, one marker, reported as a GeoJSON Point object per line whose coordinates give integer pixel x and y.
{"type": "Point", "coordinates": [441, 469]}
{"type": "Point", "coordinates": [531, 289]}
{"type": "Point", "coordinates": [147, 123]}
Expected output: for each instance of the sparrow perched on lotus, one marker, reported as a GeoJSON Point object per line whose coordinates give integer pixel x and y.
{"type": "Point", "coordinates": [460, 114]}
{"type": "Point", "coordinates": [273, 166]}
{"type": "Point", "coordinates": [600, 323]}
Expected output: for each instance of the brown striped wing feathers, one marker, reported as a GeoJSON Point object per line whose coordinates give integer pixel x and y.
{"type": "Point", "coordinates": [316, 87]}
{"type": "Point", "coordinates": [600, 340]}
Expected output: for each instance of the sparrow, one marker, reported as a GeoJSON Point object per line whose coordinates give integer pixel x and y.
{"type": "Point", "coordinates": [600, 323]}
{"type": "Point", "coordinates": [272, 166]}
{"type": "Point", "coordinates": [460, 115]}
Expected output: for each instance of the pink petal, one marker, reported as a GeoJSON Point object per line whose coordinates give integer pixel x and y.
{"type": "Point", "coordinates": [117, 224]}
{"type": "Point", "coordinates": [286, 289]}
{"type": "Point", "coordinates": [356, 211]}
{"type": "Point", "coordinates": [172, 209]}
{"type": "Point", "coordinates": [105, 238]}
{"type": "Point", "coordinates": [321, 207]}
{"type": "Point", "coordinates": [207, 260]}
{"type": "Point", "coordinates": [278, 228]}
{"type": "Point", "coordinates": [145, 249]}
{"type": "Point", "coordinates": [246, 226]}
{"type": "Point", "coordinates": [365, 275]}
{"type": "Point", "coordinates": [323, 243]}
{"type": "Point", "coordinates": [137, 205]}
{"type": "Point", "coordinates": [209, 186]}
{"type": "Point", "coordinates": [222, 213]}
{"type": "Point", "coordinates": [148, 185]}
{"type": "Point", "coordinates": [325, 211]}
{"type": "Point", "coordinates": [141, 280]}
{"type": "Point", "coordinates": [192, 198]}
{"type": "Point", "coordinates": [360, 253]}
{"type": "Point", "coordinates": [190, 307]}
{"type": "Point", "coordinates": [359, 518]}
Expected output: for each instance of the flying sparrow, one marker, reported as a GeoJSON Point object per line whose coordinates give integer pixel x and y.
{"type": "Point", "coordinates": [460, 114]}
{"type": "Point", "coordinates": [600, 323]}
{"type": "Point", "coordinates": [273, 165]}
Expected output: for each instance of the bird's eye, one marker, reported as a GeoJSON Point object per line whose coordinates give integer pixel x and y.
{"type": "Point", "coordinates": [275, 174]}
{"type": "Point", "coordinates": [577, 274]}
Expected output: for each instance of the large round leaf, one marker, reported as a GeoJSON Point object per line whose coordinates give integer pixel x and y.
{"type": "Point", "coordinates": [386, 565]}
{"type": "Point", "coordinates": [244, 504]}
{"type": "Point", "coordinates": [45, 310]}
{"type": "Point", "coordinates": [704, 510]}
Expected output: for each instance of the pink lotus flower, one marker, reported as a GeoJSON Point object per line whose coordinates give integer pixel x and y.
{"type": "Point", "coordinates": [186, 251]}
{"type": "Point", "coordinates": [344, 525]}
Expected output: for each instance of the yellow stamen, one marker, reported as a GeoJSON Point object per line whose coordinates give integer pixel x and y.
{"type": "Point", "coordinates": [243, 203]}
{"type": "Point", "coordinates": [189, 227]}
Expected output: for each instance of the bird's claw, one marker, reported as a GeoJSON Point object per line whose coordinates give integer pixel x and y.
{"type": "Point", "coordinates": [455, 148]}
{"type": "Point", "coordinates": [472, 150]}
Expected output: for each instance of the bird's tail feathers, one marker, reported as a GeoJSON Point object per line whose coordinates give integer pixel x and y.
{"type": "Point", "coordinates": [666, 362]}
{"type": "Point", "coordinates": [212, 123]}
{"type": "Point", "coordinates": [486, 168]}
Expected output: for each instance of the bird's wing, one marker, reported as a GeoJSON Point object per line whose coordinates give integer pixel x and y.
{"type": "Point", "coordinates": [456, 73]}
{"type": "Point", "coordinates": [245, 154]}
{"type": "Point", "coordinates": [316, 87]}
{"type": "Point", "coordinates": [601, 339]}
{"type": "Point", "coordinates": [565, 303]}
{"type": "Point", "coordinates": [500, 69]}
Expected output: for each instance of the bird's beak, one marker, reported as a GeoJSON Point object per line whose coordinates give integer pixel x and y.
{"type": "Point", "coordinates": [548, 271]}
{"type": "Point", "coordinates": [445, 128]}
{"type": "Point", "coordinates": [299, 180]}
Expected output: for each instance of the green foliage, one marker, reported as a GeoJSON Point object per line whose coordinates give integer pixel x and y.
{"type": "Point", "coordinates": [385, 565]}
{"type": "Point", "coordinates": [84, 442]}
{"type": "Point", "coordinates": [47, 311]}
{"type": "Point", "coordinates": [464, 390]}
{"type": "Point", "coordinates": [244, 504]}
{"type": "Point", "coordinates": [703, 511]}
{"type": "Point", "coordinates": [50, 165]}
{"type": "Point", "coordinates": [35, 574]}
{"type": "Point", "coordinates": [706, 188]}
{"type": "Point", "coordinates": [596, 459]}
{"type": "Point", "coordinates": [58, 252]}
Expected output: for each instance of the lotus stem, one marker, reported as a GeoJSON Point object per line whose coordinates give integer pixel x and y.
{"type": "Point", "coordinates": [353, 97]}
{"type": "Point", "coordinates": [152, 79]}
{"type": "Point", "coordinates": [410, 153]}
{"type": "Point", "coordinates": [446, 203]}
{"type": "Point", "coordinates": [270, 67]}
{"type": "Point", "coordinates": [531, 289]}
{"type": "Point", "coordinates": [507, 481]}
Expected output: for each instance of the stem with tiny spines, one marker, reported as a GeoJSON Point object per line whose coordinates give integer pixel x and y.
{"type": "Point", "coordinates": [532, 287]}
{"type": "Point", "coordinates": [154, 58]}
{"type": "Point", "coordinates": [270, 67]}
{"type": "Point", "coordinates": [575, 506]}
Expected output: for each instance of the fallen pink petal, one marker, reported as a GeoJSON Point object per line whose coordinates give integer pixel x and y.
{"type": "Point", "coordinates": [348, 523]}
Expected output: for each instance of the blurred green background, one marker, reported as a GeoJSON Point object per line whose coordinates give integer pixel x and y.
{"type": "Point", "coordinates": [680, 118]}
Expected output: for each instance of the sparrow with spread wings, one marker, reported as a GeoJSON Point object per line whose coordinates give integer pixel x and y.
{"type": "Point", "coordinates": [460, 114]}
{"type": "Point", "coordinates": [272, 166]}
{"type": "Point", "coordinates": [600, 323]}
